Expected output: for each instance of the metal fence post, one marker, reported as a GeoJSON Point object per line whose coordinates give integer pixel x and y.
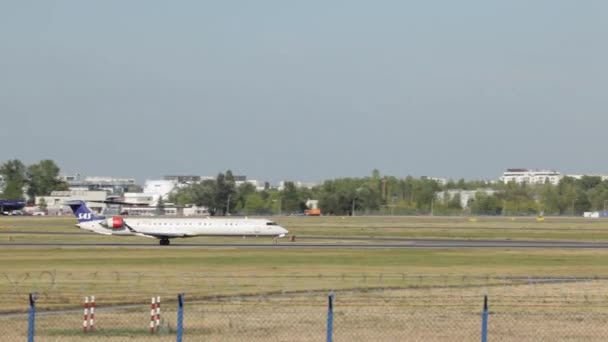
{"type": "Point", "coordinates": [484, 320]}
{"type": "Point", "coordinates": [330, 317]}
{"type": "Point", "coordinates": [180, 316]}
{"type": "Point", "coordinates": [32, 317]}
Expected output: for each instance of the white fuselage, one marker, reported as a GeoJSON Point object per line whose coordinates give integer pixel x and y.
{"type": "Point", "coordinates": [188, 227]}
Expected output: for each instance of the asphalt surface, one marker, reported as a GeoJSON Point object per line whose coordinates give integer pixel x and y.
{"type": "Point", "coordinates": [315, 242]}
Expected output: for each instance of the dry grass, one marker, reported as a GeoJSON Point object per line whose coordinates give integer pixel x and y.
{"type": "Point", "coordinates": [575, 311]}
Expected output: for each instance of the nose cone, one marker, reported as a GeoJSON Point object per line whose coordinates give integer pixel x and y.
{"type": "Point", "coordinates": [283, 231]}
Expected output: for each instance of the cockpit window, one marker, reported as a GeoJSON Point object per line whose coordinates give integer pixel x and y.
{"type": "Point", "coordinates": [271, 224]}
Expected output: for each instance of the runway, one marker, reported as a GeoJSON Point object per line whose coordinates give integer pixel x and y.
{"type": "Point", "coordinates": [381, 244]}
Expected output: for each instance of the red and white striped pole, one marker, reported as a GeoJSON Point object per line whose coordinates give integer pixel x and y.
{"type": "Point", "coordinates": [157, 312]}
{"type": "Point", "coordinates": [86, 314]}
{"type": "Point", "coordinates": [152, 315]}
{"type": "Point", "coordinates": [92, 314]}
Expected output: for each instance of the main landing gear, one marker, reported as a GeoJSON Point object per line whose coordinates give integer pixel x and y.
{"type": "Point", "coordinates": [164, 242]}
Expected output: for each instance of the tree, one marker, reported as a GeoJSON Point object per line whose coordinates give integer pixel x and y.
{"type": "Point", "coordinates": [519, 199]}
{"type": "Point", "coordinates": [345, 195]}
{"type": "Point", "coordinates": [42, 204]}
{"type": "Point", "coordinates": [484, 204]}
{"type": "Point", "coordinates": [599, 196]}
{"type": "Point", "coordinates": [257, 203]}
{"type": "Point", "coordinates": [454, 202]}
{"type": "Point", "coordinates": [182, 196]}
{"type": "Point", "coordinates": [43, 179]}
{"type": "Point", "coordinates": [225, 192]}
{"type": "Point", "coordinates": [423, 193]}
{"type": "Point", "coordinates": [160, 206]}
{"type": "Point", "coordinates": [243, 192]}
{"type": "Point", "coordinates": [587, 183]}
{"type": "Point", "coordinates": [567, 194]}
{"type": "Point", "coordinates": [549, 199]}
{"type": "Point", "coordinates": [14, 173]}
{"type": "Point", "coordinates": [290, 198]}
{"type": "Point", "coordinates": [13, 191]}
{"type": "Point", "coordinates": [217, 195]}
{"type": "Point", "coordinates": [204, 194]}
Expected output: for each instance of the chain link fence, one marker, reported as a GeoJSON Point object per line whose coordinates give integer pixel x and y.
{"type": "Point", "coordinates": [382, 316]}
{"type": "Point", "coordinates": [381, 307]}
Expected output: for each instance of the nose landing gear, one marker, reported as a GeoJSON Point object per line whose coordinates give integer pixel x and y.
{"type": "Point", "coordinates": [164, 242]}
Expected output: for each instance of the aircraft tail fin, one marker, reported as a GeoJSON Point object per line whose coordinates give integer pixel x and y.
{"type": "Point", "coordinates": [82, 212]}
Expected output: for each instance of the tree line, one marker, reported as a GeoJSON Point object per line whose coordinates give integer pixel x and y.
{"type": "Point", "coordinates": [388, 195]}
{"type": "Point", "coordinates": [374, 194]}
{"type": "Point", "coordinates": [38, 179]}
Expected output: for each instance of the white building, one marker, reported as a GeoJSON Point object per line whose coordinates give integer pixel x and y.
{"type": "Point", "coordinates": [297, 184]}
{"type": "Point", "coordinates": [111, 185]}
{"type": "Point", "coordinates": [259, 186]}
{"type": "Point", "coordinates": [153, 190]}
{"type": "Point", "coordinates": [465, 195]}
{"type": "Point", "coordinates": [438, 180]}
{"type": "Point", "coordinates": [160, 188]}
{"type": "Point", "coordinates": [141, 198]}
{"type": "Point", "coordinates": [521, 176]}
{"type": "Point", "coordinates": [195, 211]}
{"type": "Point", "coordinates": [54, 202]}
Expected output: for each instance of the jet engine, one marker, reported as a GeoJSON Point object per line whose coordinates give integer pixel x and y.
{"type": "Point", "coordinates": [115, 222]}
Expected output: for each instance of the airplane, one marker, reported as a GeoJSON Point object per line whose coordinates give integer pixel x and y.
{"type": "Point", "coordinates": [168, 228]}
{"type": "Point", "coordinates": [7, 206]}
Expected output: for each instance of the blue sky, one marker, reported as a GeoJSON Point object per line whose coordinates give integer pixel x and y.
{"type": "Point", "coordinates": [305, 90]}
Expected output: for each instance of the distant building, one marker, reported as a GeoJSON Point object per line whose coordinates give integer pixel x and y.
{"type": "Point", "coordinates": [240, 178]}
{"type": "Point", "coordinates": [153, 190]}
{"type": "Point", "coordinates": [70, 178]}
{"type": "Point", "coordinates": [160, 188]}
{"type": "Point", "coordinates": [259, 186]}
{"type": "Point", "coordinates": [55, 202]}
{"type": "Point", "coordinates": [140, 198]}
{"type": "Point", "coordinates": [297, 184]}
{"type": "Point", "coordinates": [148, 211]}
{"type": "Point", "coordinates": [440, 181]}
{"type": "Point", "coordinates": [195, 211]}
{"type": "Point", "coordinates": [112, 185]}
{"type": "Point", "coordinates": [521, 176]}
{"type": "Point", "coordinates": [237, 178]}
{"type": "Point", "coordinates": [183, 179]}
{"type": "Point", "coordinates": [465, 195]}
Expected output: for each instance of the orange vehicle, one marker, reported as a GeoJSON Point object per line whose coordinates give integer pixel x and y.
{"type": "Point", "coordinates": [313, 212]}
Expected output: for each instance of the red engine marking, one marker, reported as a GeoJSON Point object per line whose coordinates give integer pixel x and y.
{"type": "Point", "coordinates": [117, 222]}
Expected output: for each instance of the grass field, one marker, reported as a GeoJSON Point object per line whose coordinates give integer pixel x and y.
{"type": "Point", "coordinates": [120, 273]}
{"type": "Point", "coordinates": [419, 284]}
{"type": "Point", "coordinates": [520, 228]}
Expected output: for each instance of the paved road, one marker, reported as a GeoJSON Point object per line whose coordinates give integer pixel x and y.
{"type": "Point", "coordinates": [319, 241]}
{"type": "Point", "coordinates": [44, 232]}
